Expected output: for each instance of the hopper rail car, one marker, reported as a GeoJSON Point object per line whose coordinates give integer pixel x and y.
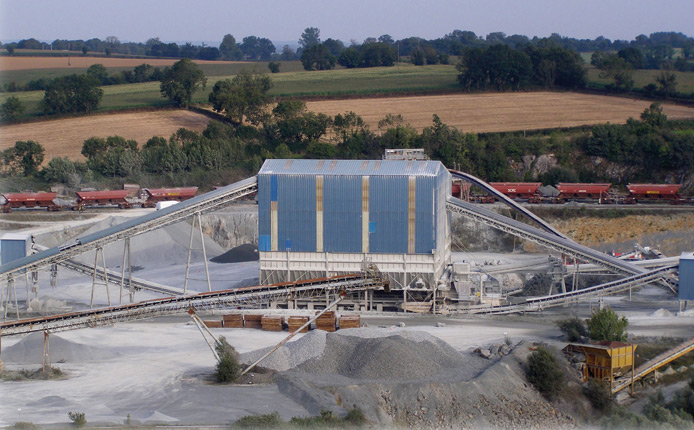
{"type": "Point", "coordinates": [95, 199]}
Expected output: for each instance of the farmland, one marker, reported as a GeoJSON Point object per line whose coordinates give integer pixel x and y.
{"type": "Point", "coordinates": [484, 112]}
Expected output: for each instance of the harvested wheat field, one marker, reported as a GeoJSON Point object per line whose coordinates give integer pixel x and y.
{"type": "Point", "coordinates": [79, 62]}
{"type": "Point", "coordinates": [492, 112]}
{"type": "Point", "coordinates": [64, 137]}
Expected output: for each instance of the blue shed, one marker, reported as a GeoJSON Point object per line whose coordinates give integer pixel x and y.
{"type": "Point", "coordinates": [14, 246]}
{"type": "Point", "coordinates": [686, 286]}
{"type": "Point", "coordinates": [353, 206]}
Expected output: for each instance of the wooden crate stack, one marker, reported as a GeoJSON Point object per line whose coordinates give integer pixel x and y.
{"type": "Point", "coordinates": [233, 320]}
{"type": "Point", "coordinates": [252, 321]}
{"type": "Point", "coordinates": [213, 324]}
{"type": "Point", "coordinates": [350, 321]}
{"type": "Point", "coordinates": [326, 321]}
{"type": "Point", "coordinates": [294, 322]}
{"type": "Point", "coordinates": [272, 323]}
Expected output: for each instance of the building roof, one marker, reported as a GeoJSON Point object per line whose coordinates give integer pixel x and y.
{"type": "Point", "coordinates": [351, 167]}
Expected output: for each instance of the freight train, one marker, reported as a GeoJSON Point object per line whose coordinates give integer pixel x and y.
{"type": "Point", "coordinates": [598, 193]}
{"type": "Point", "coordinates": [96, 199]}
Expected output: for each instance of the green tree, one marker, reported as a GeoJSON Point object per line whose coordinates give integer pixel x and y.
{"type": "Point", "coordinates": [9, 49]}
{"type": "Point", "coordinates": [350, 58]}
{"type": "Point", "coordinates": [71, 94]}
{"type": "Point", "coordinates": [229, 49]}
{"type": "Point", "coordinates": [26, 156]}
{"type": "Point", "coordinates": [274, 67]}
{"type": "Point", "coordinates": [242, 98]}
{"type": "Point", "coordinates": [605, 324]}
{"type": "Point", "coordinates": [11, 109]}
{"type": "Point", "coordinates": [667, 81]}
{"type": "Point", "coordinates": [181, 81]}
{"type": "Point", "coordinates": [228, 368]}
{"type": "Point", "coordinates": [310, 37]}
{"type": "Point", "coordinates": [59, 169]}
{"type": "Point", "coordinates": [99, 72]}
{"type": "Point", "coordinates": [544, 372]}
{"type": "Point", "coordinates": [617, 69]}
{"type": "Point", "coordinates": [318, 57]}
{"type": "Point", "coordinates": [654, 116]}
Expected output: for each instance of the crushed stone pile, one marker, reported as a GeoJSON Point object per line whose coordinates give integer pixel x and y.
{"type": "Point", "coordinates": [291, 354]}
{"type": "Point", "coordinates": [661, 313]}
{"type": "Point", "coordinates": [245, 252]}
{"type": "Point", "coordinates": [30, 351]}
{"type": "Point", "coordinates": [164, 246]}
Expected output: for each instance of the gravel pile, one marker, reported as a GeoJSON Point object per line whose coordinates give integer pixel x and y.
{"type": "Point", "coordinates": [245, 252]}
{"type": "Point", "coordinates": [30, 351]}
{"type": "Point", "coordinates": [661, 313]}
{"type": "Point", "coordinates": [291, 354]}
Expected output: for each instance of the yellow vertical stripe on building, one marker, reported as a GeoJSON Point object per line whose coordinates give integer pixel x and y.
{"type": "Point", "coordinates": [411, 196]}
{"type": "Point", "coordinates": [319, 213]}
{"type": "Point", "coordinates": [273, 226]}
{"type": "Point", "coordinates": [364, 214]}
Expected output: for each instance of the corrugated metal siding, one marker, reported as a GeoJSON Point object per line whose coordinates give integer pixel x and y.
{"type": "Point", "coordinates": [296, 209]}
{"type": "Point", "coordinates": [342, 214]}
{"type": "Point", "coordinates": [388, 212]}
{"type": "Point", "coordinates": [686, 285]}
{"type": "Point", "coordinates": [293, 182]}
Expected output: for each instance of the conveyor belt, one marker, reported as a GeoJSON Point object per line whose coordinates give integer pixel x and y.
{"type": "Point", "coordinates": [248, 297]}
{"type": "Point", "coordinates": [156, 219]}
{"type": "Point", "coordinates": [508, 201]}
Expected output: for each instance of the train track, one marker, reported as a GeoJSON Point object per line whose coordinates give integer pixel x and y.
{"type": "Point", "coordinates": [244, 297]}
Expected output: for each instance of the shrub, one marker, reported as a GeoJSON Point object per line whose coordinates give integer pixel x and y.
{"type": "Point", "coordinates": [228, 367]}
{"type": "Point", "coordinates": [24, 425]}
{"type": "Point", "coordinates": [598, 394]}
{"type": "Point", "coordinates": [605, 324]}
{"type": "Point", "coordinates": [77, 418]}
{"type": "Point", "coordinates": [573, 328]}
{"type": "Point", "coordinates": [272, 420]}
{"type": "Point", "coordinates": [544, 373]}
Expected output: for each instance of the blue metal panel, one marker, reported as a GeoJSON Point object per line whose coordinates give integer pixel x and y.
{"type": "Point", "coordinates": [12, 249]}
{"type": "Point", "coordinates": [425, 227]}
{"type": "Point", "coordinates": [296, 213]}
{"type": "Point", "coordinates": [264, 197]}
{"type": "Point", "coordinates": [686, 286]}
{"type": "Point", "coordinates": [264, 243]}
{"type": "Point", "coordinates": [350, 167]}
{"type": "Point", "coordinates": [342, 214]}
{"type": "Point", "coordinates": [388, 209]}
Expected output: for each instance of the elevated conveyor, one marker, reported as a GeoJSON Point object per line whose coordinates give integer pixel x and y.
{"type": "Point", "coordinates": [248, 297]}
{"type": "Point", "coordinates": [508, 201]}
{"type": "Point", "coordinates": [203, 203]}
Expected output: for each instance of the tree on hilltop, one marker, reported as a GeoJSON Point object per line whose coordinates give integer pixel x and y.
{"type": "Point", "coordinates": [242, 98]}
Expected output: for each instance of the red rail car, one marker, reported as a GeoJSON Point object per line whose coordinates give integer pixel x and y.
{"type": "Point", "coordinates": [101, 198]}
{"type": "Point", "coordinates": [155, 195]}
{"type": "Point", "coordinates": [578, 191]}
{"type": "Point", "coordinates": [29, 200]}
{"type": "Point", "coordinates": [655, 192]}
{"type": "Point", "coordinates": [519, 190]}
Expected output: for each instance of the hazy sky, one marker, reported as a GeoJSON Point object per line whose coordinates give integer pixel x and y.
{"type": "Point", "coordinates": [284, 20]}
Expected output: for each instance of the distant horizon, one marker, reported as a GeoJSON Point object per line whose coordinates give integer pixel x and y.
{"type": "Point", "coordinates": [282, 21]}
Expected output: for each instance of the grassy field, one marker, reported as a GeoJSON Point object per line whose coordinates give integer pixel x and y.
{"type": "Point", "coordinates": [404, 79]}
{"type": "Point", "coordinates": [685, 80]}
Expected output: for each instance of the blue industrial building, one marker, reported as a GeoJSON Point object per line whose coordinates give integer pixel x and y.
{"type": "Point", "coordinates": [339, 208]}
{"type": "Point", "coordinates": [686, 285]}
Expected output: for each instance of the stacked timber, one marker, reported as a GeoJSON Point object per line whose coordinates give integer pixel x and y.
{"type": "Point", "coordinates": [252, 321]}
{"type": "Point", "coordinates": [272, 323]}
{"type": "Point", "coordinates": [294, 322]}
{"type": "Point", "coordinates": [213, 324]}
{"type": "Point", "coordinates": [326, 322]}
{"type": "Point", "coordinates": [350, 321]}
{"type": "Point", "coordinates": [233, 320]}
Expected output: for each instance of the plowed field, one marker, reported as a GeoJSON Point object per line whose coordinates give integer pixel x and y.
{"type": "Point", "coordinates": [492, 112]}
{"type": "Point", "coordinates": [64, 137]}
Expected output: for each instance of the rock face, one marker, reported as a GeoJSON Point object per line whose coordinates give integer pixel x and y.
{"type": "Point", "coordinates": [232, 228]}
{"type": "Point", "coordinates": [534, 165]}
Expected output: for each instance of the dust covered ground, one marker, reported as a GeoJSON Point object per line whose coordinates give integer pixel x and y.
{"type": "Point", "coordinates": [64, 137]}
{"type": "Point", "coordinates": [496, 112]}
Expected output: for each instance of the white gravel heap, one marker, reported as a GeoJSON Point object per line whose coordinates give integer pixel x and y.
{"type": "Point", "coordinates": [291, 354]}
{"type": "Point", "coordinates": [30, 351]}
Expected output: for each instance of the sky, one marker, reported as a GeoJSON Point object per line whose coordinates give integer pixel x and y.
{"type": "Point", "coordinates": [284, 20]}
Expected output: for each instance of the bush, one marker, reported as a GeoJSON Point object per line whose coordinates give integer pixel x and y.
{"type": "Point", "coordinates": [598, 394]}
{"type": "Point", "coordinates": [24, 425]}
{"type": "Point", "coordinates": [544, 373]}
{"type": "Point", "coordinates": [605, 324]}
{"type": "Point", "coordinates": [272, 420]}
{"type": "Point", "coordinates": [77, 418]}
{"type": "Point", "coordinates": [573, 328]}
{"type": "Point", "coordinates": [228, 367]}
